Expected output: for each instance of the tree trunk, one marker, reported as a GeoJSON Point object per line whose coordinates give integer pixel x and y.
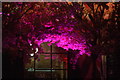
{"type": "Point", "coordinates": [95, 72]}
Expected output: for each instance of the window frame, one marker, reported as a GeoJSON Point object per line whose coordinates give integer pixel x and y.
{"type": "Point", "coordinates": [51, 64]}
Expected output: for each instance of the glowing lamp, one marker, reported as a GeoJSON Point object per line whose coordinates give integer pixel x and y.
{"type": "Point", "coordinates": [32, 54]}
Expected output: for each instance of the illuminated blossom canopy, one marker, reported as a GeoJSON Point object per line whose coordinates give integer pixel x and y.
{"type": "Point", "coordinates": [54, 26]}
{"type": "Point", "coordinates": [69, 25]}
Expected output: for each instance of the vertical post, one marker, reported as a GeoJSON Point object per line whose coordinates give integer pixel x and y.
{"type": "Point", "coordinates": [34, 65]}
{"type": "Point", "coordinates": [104, 67]}
{"type": "Point", "coordinates": [51, 59]}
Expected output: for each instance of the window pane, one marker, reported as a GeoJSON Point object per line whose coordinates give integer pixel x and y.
{"type": "Point", "coordinates": [30, 63]}
{"type": "Point", "coordinates": [43, 61]}
{"type": "Point", "coordinates": [45, 47]}
{"type": "Point", "coordinates": [29, 69]}
{"type": "Point", "coordinates": [43, 74]}
{"type": "Point", "coordinates": [59, 61]}
{"type": "Point", "coordinates": [59, 74]}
